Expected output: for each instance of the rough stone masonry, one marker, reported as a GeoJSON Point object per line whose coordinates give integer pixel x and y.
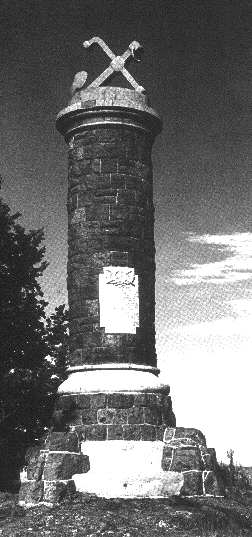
{"type": "Point", "coordinates": [114, 431]}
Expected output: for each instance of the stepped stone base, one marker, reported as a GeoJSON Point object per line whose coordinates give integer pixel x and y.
{"type": "Point", "coordinates": [180, 464]}
{"type": "Point", "coordinates": [117, 442]}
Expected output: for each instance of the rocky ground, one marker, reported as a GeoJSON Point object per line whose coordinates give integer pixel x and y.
{"type": "Point", "coordinates": [89, 516]}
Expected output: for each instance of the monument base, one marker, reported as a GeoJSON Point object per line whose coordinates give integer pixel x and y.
{"type": "Point", "coordinates": [114, 435]}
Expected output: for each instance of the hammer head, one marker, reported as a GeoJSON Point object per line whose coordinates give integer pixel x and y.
{"type": "Point", "coordinates": [136, 50]}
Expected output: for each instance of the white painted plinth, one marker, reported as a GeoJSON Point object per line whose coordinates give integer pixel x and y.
{"type": "Point", "coordinates": [122, 378]}
{"type": "Point", "coordinates": [127, 469]}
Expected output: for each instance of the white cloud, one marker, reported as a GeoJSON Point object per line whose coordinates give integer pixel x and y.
{"type": "Point", "coordinates": [220, 327]}
{"type": "Point", "coordinates": [235, 268]}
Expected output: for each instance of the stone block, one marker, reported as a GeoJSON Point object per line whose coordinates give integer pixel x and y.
{"type": "Point", "coordinates": [121, 416]}
{"type": "Point", "coordinates": [84, 198]}
{"type": "Point", "coordinates": [96, 165]}
{"type": "Point", "coordinates": [169, 418]}
{"type": "Point", "coordinates": [56, 491]}
{"type": "Point", "coordinates": [119, 259]}
{"type": "Point", "coordinates": [118, 181]}
{"type": "Point", "coordinates": [115, 432]}
{"type": "Point", "coordinates": [160, 432]}
{"type": "Point", "coordinates": [119, 212]}
{"type": "Point", "coordinates": [196, 435]}
{"type": "Point", "coordinates": [65, 465]}
{"type": "Point", "coordinates": [103, 181]}
{"type": "Point", "coordinates": [89, 417]}
{"type": "Point", "coordinates": [106, 415]}
{"type": "Point", "coordinates": [109, 165]}
{"type": "Point", "coordinates": [135, 415]}
{"type": "Point", "coordinates": [95, 432]}
{"type": "Point", "coordinates": [67, 403]}
{"type": "Point", "coordinates": [145, 399]}
{"type": "Point", "coordinates": [160, 400]}
{"type": "Point", "coordinates": [166, 458]}
{"type": "Point", "coordinates": [209, 458]}
{"type": "Point", "coordinates": [98, 400]}
{"type": "Point", "coordinates": [152, 416]}
{"type": "Point", "coordinates": [127, 197]}
{"type": "Point", "coordinates": [99, 212]}
{"type": "Point", "coordinates": [212, 485]}
{"type": "Point", "coordinates": [120, 400]}
{"type": "Point", "coordinates": [35, 467]}
{"type": "Point", "coordinates": [83, 400]}
{"type": "Point", "coordinates": [79, 153]}
{"type": "Point", "coordinates": [132, 432]}
{"type": "Point", "coordinates": [62, 441]}
{"type": "Point", "coordinates": [186, 458]}
{"type": "Point", "coordinates": [193, 485]}
{"type": "Point", "coordinates": [31, 492]}
{"type": "Point", "coordinates": [148, 432]}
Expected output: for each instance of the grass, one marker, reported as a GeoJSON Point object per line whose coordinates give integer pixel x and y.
{"type": "Point", "coordinates": [89, 516]}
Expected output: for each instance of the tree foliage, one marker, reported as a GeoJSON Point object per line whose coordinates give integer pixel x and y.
{"type": "Point", "coordinates": [28, 381]}
{"type": "Point", "coordinates": [57, 342]}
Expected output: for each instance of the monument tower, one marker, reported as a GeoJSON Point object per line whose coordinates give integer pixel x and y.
{"type": "Point", "coordinates": [114, 432]}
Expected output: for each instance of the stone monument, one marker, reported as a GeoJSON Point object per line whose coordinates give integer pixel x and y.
{"type": "Point", "coordinates": [114, 432]}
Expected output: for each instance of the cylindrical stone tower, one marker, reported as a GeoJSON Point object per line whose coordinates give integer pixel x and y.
{"type": "Point", "coordinates": [111, 260]}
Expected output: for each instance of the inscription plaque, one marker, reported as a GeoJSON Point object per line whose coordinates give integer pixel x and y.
{"type": "Point", "coordinates": [119, 300]}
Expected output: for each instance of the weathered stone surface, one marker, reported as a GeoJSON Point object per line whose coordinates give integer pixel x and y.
{"type": "Point", "coordinates": [132, 432]}
{"type": "Point", "coordinates": [36, 466]}
{"type": "Point", "coordinates": [106, 415]}
{"type": "Point", "coordinates": [56, 491]}
{"type": "Point", "coordinates": [65, 465]}
{"type": "Point", "coordinates": [194, 434]}
{"type": "Point", "coordinates": [120, 400]}
{"type": "Point", "coordinates": [166, 458]}
{"type": "Point", "coordinates": [62, 441]}
{"type": "Point", "coordinates": [160, 432]}
{"type": "Point", "coordinates": [148, 432]}
{"type": "Point", "coordinates": [135, 415]}
{"type": "Point", "coordinates": [83, 400]}
{"type": "Point", "coordinates": [115, 432]}
{"type": "Point", "coordinates": [209, 458]}
{"type": "Point", "coordinates": [152, 415]}
{"type": "Point", "coordinates": [146, 399]}
{"type": "Point", "coordinates": [66, 403]}
{"type": "Point", "coordinates": [95, 432]}
{"type": "Point", "coordinates": [166, 403]}
{"type": "Point", "coordinates": [169, 418]}
{"type": "Point", "coordinates": [186, 458]}
{"type": "Point", "coordinates": [169, 434]}
{"type": "Point", "coordinates": [89, 417]}
{"type": "Point", "coordinates": [192, 484]}
{"type": "Point", "coordinates": [121, 416]}
{"type": "Point", "coordinates": [212, 485]}
{"type": "Point", "coordinates": [98, 400]}
{"type": "Point", "coordinates": [31, 492]}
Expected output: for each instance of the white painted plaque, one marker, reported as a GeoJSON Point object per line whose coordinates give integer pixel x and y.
{"type": "Point", "coordinates": [119, 300]}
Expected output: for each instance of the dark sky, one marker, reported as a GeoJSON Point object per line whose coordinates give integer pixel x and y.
{"type": "Point", "coordinates": [197, 70]}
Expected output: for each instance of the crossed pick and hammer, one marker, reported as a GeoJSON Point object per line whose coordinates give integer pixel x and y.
{"type": "Point", "coordinates": [117, 62]}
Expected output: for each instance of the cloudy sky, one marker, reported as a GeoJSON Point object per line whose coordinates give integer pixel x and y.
{"type": "Point", "coordinates": [197, 70]}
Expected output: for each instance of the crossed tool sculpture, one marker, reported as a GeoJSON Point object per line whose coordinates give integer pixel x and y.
{"type": "Point", "coordinates": [117, 64]}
